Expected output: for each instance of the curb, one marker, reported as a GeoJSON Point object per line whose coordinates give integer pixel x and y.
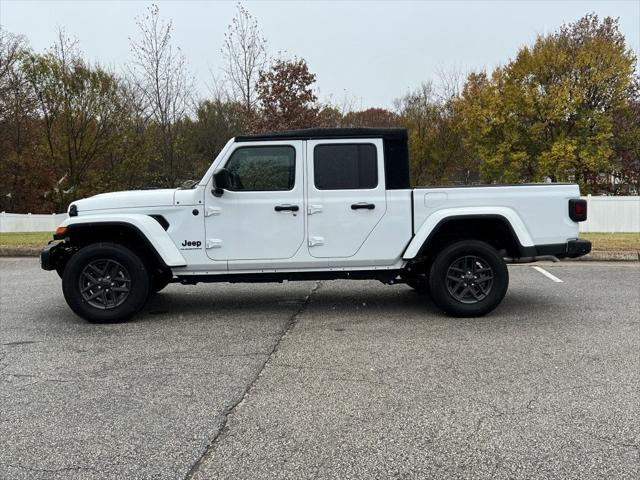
{"type": "Point", "coordinates": [604, 256]}
{"type": "Point", "coordinates": [595, 256]}
{"type": "Point", "coordinates": [20, 251]}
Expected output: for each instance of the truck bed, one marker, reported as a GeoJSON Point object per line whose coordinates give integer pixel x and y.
{"type": "Point", "coordinates": [538, 212]}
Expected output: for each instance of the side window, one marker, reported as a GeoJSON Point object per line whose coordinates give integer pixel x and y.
{"type": "Point", "coordinates": [345, 166]}
{"type": "Point", "coordinates": [263, 168]}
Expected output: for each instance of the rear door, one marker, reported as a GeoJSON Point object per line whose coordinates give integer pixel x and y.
{"type": "Point", "coordinates": [346, 195]}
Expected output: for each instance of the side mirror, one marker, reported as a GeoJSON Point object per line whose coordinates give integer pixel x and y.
{"type": "Point", "coordinates": [221, 181]}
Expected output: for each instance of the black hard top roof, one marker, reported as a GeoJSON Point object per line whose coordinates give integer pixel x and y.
{"type": "Point", "coordinates": [325, 133]}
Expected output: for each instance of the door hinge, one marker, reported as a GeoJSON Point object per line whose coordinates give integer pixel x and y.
{"type": "Point", "coordinates": [213, 243]}
{"type": "Point", "coordinates": [314, 209]}
{"type": "Point", "coordinates": [211, 211]}
{"type": "Point", "coordinates": [316, 241]}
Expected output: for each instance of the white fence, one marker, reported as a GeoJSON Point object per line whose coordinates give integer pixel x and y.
{"type": "Point", "coordinates": [17, 222]}
{"type": "Point", "coordinates": [605, 214]}
{"type": "Point", "coordinates": [612, 214]}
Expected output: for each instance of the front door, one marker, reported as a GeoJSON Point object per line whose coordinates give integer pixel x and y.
{"type": "Point", "coordinates": [261, 216]}
{"type": "Point", "coordinates": [346, 195]}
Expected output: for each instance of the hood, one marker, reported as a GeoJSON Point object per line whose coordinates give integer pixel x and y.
{"type": "Point", "coordinates": [128, 199]}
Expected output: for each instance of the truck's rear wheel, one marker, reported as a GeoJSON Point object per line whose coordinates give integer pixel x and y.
{"type": "Point", "coordinates": [105, 283]}
{"type": "Point", "coordinates": [468, 279]}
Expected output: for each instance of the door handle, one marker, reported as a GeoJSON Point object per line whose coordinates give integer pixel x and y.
{"type": "Point", "coordinates": [291, 208]}
{"type": "Point", "coordinates": [363, 206]}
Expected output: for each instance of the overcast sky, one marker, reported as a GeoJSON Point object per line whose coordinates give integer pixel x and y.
{"type": "Point", "coordinates": [369, 51]}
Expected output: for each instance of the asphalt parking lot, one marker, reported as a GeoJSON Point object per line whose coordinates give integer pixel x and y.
{"type": "Point", "coordinates": [324, 380]}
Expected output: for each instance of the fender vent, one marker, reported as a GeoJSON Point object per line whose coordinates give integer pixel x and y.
{"type": "Point", "coordinates": [161, 220]}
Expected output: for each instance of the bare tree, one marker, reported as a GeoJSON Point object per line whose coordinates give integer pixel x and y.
{"type": "Point", "coordinates": [12, 49]}
{"type": "Point", "coordinates": [163, 84]}
{"type": "Point", "coordinates": [245, 55]}
{"type": "Point", "coordinates": [451, 82]}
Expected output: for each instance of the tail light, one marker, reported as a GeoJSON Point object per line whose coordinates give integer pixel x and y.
{"type": "Point", "coordinates": [577, 210]}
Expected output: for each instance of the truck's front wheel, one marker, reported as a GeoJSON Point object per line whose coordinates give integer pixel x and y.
{"type": "Point", "coordinates": [468, 279]}
{"type": "Point", "coordinates": [105, 283]}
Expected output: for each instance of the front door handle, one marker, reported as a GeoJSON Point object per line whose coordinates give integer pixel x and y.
{"type": "Point", "coordinates": [363, 206]}
{"type": "Point", "coordinates": [282, 208]}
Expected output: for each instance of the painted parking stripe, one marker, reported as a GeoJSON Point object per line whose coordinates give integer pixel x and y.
{"type": "Point", "coordinates": [547, 274]}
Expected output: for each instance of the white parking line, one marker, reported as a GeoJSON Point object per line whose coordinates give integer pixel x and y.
{"type": "Point", "coordinates": [547, 274]}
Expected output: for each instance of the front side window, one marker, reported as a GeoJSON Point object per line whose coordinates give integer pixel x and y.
{"type": "Point", "coordinates": [263, 168]}
{"type": "Point", "coordinates": [345, 166]}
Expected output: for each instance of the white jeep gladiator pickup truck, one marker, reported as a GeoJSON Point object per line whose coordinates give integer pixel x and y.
{"type": "Point", "coordinates": [309, 205]}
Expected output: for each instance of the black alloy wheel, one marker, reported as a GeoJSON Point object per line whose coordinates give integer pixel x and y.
{"type": "Point", "coordinates": [468, 279]}
{"type": "Point", "coordinates": [105, 283]}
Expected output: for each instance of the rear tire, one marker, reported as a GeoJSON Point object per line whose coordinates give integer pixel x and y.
{"type": "Point", "coordinates": [105, 283]}
{"type": "Point", "coordinates": [468, 279]}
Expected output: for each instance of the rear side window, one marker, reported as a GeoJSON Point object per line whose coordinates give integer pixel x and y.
{"type": "Point", "coordinates": [345, 166]}
{"type": "Point", "coordinates": [266, 168]}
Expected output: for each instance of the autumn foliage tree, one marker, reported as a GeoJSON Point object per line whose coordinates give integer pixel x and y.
{"type": "Point", "coordinates": [81, 111]}
{"type": "Point", "coordinates": [371, 117]}
{"type": "Point", "coordinates": [287, 99]}
{"type": "Point", "coordinates": [19, 131]}
{"type": "Point", "coordinates": [437, 150]}
{"type": "Point", "coordinates": [551, 112]}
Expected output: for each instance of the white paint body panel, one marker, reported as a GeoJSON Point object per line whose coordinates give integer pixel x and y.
{"type": "Point", "coordinates": [538, 214]}
{"type": "Point", "coordinates": [335, 230]}
{"type": "Point", "coordinates": [150, 228]}
{"type": "Point", "coordinates": [246, 225]}
{"type": "Point", "coordinates": [127, 199]}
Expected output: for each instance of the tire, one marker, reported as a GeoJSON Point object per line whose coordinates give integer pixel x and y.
{"type": "Point", "coordinates": [468, 279]}
{"type": "Point", "coordinates": [105, 283]}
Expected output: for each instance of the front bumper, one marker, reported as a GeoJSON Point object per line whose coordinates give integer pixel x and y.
{"type": "Point", "coordinates": [571, 249]}
{"type": "Point", "coordinates": [52, 254]}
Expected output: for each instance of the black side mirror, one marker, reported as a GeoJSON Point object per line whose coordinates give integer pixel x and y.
{"type": "Point", "coordinates": [221, 181]}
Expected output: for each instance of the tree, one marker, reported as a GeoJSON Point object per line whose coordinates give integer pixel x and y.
{"type": "Point", "coordinates": [329, 116]}
{"type": "Point", "coordinates": [245, 54]}
{"type": "Point", "coordinates": [550, 112]}
{"type": "Point", "coordinates": [80, 110]}
{"type": "Point", "coordinates": [23, 175]}
{"type": "Point", "coordinates": [163, 88]}
{"type": "Point", "coordinates": [371, 117]}
{"type": "Point", "coordinates": [437, 151]}
{"type": "Point", "coordinates": [286, 95]}
{"type": "Point", "coordinates": [215, 123]}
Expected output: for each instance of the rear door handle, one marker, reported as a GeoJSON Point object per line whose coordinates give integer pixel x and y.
{"type": "Point", "coordinates": [282, 208]}
{"type": "Point", "coordinates": [363, 206]}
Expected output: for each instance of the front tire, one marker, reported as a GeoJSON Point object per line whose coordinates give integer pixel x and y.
{"type": "Point", "coordinates": [105, 283]}
{"type": "Point", "coordinates": [468, 279]}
